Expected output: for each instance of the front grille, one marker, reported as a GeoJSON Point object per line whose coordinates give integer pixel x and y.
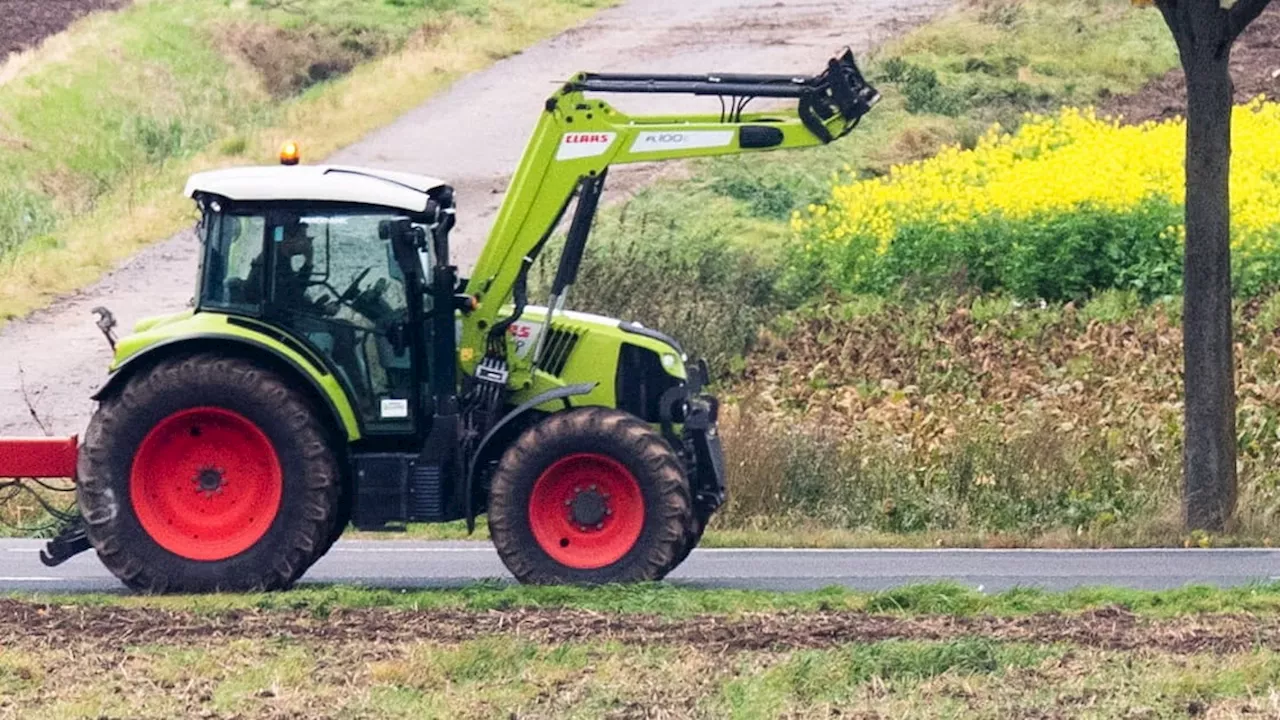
{"type": "Point", "coordinates": [641, 381]}
{"type": "Point", "coordinates": [557, 349]}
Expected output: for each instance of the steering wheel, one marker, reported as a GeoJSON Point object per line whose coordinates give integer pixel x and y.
{"type": "Point", "coordinates": [353, 290]}
{"type": "Point", "coordinates": [330, 303]}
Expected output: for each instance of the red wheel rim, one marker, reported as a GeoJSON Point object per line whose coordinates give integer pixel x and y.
{"type": "Point", "coordinates": [206, 483]}
{"type": "Point", "coordinates": [586, 511]}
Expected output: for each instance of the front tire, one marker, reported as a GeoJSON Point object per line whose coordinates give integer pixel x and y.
{"type": "Point", "coordinates": [207, 473]}
{"type": "Point", "coordinates": [589, 496]}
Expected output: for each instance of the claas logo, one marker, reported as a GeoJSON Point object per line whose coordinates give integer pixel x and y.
{"type": "Point", "coordinates": [580, 138]}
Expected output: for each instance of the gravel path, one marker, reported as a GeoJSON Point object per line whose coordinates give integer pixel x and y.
{"type": "Point", "coordinates": [471, 135]}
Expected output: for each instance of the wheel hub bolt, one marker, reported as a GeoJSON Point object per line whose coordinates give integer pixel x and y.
{"type": "Point", "coordinates": [210, 480]}
{"type": "Point", "coordinates": [588, 509]}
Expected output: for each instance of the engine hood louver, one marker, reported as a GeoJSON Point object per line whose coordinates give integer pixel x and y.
{"type": "Point", "coordinates": [557, 349]}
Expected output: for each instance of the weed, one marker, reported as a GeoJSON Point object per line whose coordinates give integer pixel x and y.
{"type": "Point", "coordinates": [291, 60]}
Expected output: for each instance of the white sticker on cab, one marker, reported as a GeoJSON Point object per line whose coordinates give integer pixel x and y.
{"type": "Point", "coordinates": [393, 408]}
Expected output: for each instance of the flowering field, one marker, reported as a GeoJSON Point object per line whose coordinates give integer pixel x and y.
{"type": "Point", "coordinates": [1066, 206]}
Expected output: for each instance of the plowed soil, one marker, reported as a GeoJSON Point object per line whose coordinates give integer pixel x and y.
{"type": "Point", "coordinates": [24, 623]}
{"type": "Point", "coordinates": [24, 23]}
{"type": "Point", "coordinates": [1255, 67]}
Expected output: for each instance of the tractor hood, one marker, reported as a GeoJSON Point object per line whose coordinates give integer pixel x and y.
{"type": "Point", "coordinates": [531, 321]}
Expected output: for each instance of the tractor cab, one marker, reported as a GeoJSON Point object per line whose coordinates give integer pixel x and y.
{"type": "Point", "coordinates": [328, 255]}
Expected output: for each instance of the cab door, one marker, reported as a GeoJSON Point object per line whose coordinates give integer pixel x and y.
{"type": "Point", "coordinates": [334, 283]}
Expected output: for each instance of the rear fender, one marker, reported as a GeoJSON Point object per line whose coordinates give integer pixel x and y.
{"type": "Point", "coordinates": [327, 395]}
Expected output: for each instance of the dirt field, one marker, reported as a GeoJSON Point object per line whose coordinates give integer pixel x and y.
{"type": "Point", "coordinates": [27, 22]}
{"type": "Point", "coordinates": [1255, 67]}
{"type": "Point", "coordinates": [1107, 628]}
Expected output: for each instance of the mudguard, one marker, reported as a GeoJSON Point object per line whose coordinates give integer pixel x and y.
{"type": "Point", "coordinates": [561, 393]}
{"type": "Point", "coordinates": [301, 365]}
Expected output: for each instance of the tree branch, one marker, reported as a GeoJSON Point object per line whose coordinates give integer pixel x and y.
{"type": "Point", "coordinates": [26, 399]}
{"type": "Point", "coordinates": [1243, 13]}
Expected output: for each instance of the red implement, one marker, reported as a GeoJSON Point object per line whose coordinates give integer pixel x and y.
{"type": "Point", "coordinates": [38, 457]}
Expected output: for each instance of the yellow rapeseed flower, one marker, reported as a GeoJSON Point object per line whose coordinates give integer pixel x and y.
{"type": "Point", "coordinates": [1055, 164]}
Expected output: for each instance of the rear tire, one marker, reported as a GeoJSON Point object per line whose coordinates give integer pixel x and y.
{"type": "Point", "coordinates": [207, 473]}
{"type": "Point", "coordinates": [589, 496]}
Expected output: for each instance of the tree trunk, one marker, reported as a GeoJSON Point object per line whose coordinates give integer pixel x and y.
{"type": "Point", "coordinates": [1210, 452]}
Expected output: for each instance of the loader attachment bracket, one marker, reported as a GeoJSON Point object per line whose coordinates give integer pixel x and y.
{"type": "Point", "coordinates": [562, 394]}
{"type": "Point", "coordinates": [840, 89]}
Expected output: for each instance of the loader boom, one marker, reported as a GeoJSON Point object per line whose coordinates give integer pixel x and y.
{"type": "Point", "coordinates": [578, 138]}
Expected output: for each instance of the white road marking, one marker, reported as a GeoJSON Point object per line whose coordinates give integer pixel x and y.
{"type": "Point", "coordinates": [378, 551]}
{"type": "Point", "coordinates": [33, 578]}
{"type": "Point", "coordinates": [486, 547]}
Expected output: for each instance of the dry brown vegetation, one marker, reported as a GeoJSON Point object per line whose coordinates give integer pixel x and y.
{"type": "Point", "coordinates": [1060, 425]}
{"type": "Point", "coordinates": [289, 60]}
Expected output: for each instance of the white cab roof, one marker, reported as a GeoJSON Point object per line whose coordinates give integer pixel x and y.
{"type": "Point", "coordinates": [334, 183]}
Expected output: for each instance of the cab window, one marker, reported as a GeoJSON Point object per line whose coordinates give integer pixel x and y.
{"type": "Point", "coordinates": [232, 264]}
{"type": "Point", "coordinates": [335, 282]}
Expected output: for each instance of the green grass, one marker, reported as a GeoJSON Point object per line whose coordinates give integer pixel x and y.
{"type": "Point", "coordinates": [674, 601]}
{"type": "Point", "coordinates": [100, 125]}
{"type": "Point", "coordinates": [839, 677]}
{"type": "Point", "coordinates": [992, 60]}
{"type": "Point", "coordinates": [502, 677]}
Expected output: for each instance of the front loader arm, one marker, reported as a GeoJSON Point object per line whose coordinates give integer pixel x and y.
{"type": "Point", "coordinates": [579, 137]}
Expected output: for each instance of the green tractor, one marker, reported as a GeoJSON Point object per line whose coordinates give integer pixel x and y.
{"type": "Point", "coordinates": [335, 369]}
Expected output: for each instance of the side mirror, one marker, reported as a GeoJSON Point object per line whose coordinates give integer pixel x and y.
{"type": "Point", "coordinates": [402, 230]}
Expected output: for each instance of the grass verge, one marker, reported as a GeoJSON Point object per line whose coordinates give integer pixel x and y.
{"type": "Point", "coordinates": [100, 126]}
{"type": "Point", "coordinates": [673, 601]}
{"type": "Point", "coordinates": [508, 677]}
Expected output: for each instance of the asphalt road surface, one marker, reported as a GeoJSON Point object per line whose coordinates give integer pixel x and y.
{"type": "Point", "coordinates": [412, 564]}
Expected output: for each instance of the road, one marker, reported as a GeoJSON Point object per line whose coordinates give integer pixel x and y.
{"type": "Point", "coordinates": [471, 135]}
{"type": "Point", "coordinates": [408, 564]}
